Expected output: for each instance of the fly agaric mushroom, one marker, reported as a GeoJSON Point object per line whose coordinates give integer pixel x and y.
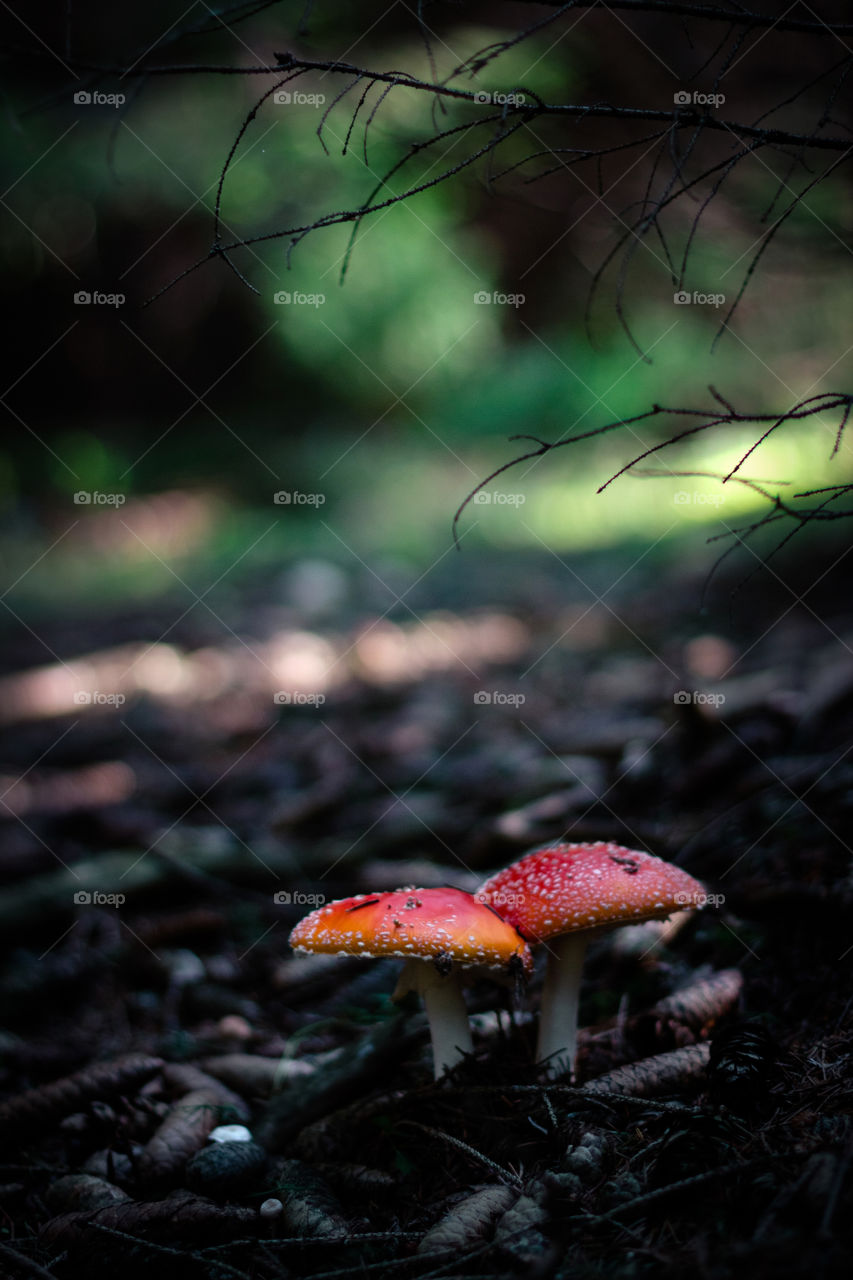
{"type": "Point", "coordinates": [562, 894]}
{"type": "Point", "coordinates": [438, 932]}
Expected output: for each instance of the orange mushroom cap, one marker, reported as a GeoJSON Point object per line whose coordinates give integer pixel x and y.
{"type": "Point", "coordinates": [567, 887]}
{"type": "Point", "coordinates": [439, 924]}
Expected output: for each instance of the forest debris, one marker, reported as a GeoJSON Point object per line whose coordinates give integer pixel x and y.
{"type": "Point", "coordinates": [32, 979]}
{"type": "Point", "coordinates": [702, 1003]}
{"type": "Point", "coordinates": [181, 1215]}
{"type": "Point", "coordinates": [62, 791]}
{"type": "Point", "coordinates": [80, 1191]}
{"type": "Point", "coordinates": [742, 695]}
{"type": "Point", "coordinates": [672, 1023]}
{"type": "Point", "coordinates": [226, 1169]}
{"type": "Point", "coordinates": [743, 1065]}
{"type": "Point", "coordinates": [470, 1221]}
{"type": "Point", "coordinates": [310, 803]}
{"type": "Point", "coordinates": [37, 1109]}
{"type": "Point", "coordinates": [326, 1139]}
{"type": "Point", "coordinates": [685, 1184]}
{"type": "Point", "coordinates": [584, 781]}
{"type": "Point", "coordinates": [636, 941]}
{"type": "Point", "coordinates": [181, 1077]}
{"type": "Point", "coordinates": [301, 977]}
{"type": "Point", "coordinates": [310, 1208]}
{"type": "Point", "coordinates": [203, 1000]}
{"type": "Point", "coordinates": [187, 1124]}
{"type": "Point", "coordinates": [111, 1166]}
{"type": "Point", "coordinates": [254, 1076]}
{"type": "Point", "coordinates": [44, 897]}
{"type": "Point", "coordinates": [599, 733]}
{"type": "Point", "coordinates": [520, 1233]}
{"type": "Point", "coordinates": [621, 1188]}
{"type": "Point", "coordinates": [75, 1125]}
{"type": "Point", "coordinates": [356, 1177]}
{"type": "Point", "coordinates": [166, 931]}
{"type": "Point", "coordinates": [508, 1175]}
{"type": "Point", "coordinates": [828, 692]}
{"type": "Point", "coordinates": [22, 1264]}
{"type": "Point", "coordinates": [357, 1068]}
{"type": "Point", "coordinates": [660, 1074]}
{"type": "Point", "coordinates": [585, 1158]}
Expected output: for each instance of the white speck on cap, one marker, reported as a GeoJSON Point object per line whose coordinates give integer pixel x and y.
{"type": "Point", "coordinates": [559, 888]}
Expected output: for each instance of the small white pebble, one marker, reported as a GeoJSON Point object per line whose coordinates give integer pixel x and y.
{"type": "Point", "coordinates": [185, 967]}
{"type": "Point", "coordinates": [230, 1133]}
{"type": "Point", "coordinates": [234, 1027]}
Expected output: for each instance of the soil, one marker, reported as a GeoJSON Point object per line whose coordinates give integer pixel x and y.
{"type": "Point", "coordinates": [295, 742]}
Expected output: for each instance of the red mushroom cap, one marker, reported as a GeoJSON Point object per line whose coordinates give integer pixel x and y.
{"type": "Point", "coordinates": [567, 887]}
{"type": "Point", "coordinates": [415, 924]}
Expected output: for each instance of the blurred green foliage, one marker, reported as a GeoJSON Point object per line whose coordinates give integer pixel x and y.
{"type": "Point", "coordinates": [394, 396]}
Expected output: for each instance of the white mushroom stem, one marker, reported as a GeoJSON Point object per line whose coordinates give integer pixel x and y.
{"type": "Point", "coordinates": [558, 1017]}
{"type": "Point", "coordinates": [449, 1028]}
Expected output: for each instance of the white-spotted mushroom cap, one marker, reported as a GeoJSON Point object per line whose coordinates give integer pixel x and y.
{"type": "Point", "coordinates": [566, 887]}
{"type": "Point", "coordinates": [444, 925]}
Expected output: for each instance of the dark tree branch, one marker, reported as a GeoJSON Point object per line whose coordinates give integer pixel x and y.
{"type": "Point", "coordinates": [725, 415]}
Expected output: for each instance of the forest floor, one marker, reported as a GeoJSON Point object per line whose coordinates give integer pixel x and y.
{"type": "Point", "coordinates": [180, 788]}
